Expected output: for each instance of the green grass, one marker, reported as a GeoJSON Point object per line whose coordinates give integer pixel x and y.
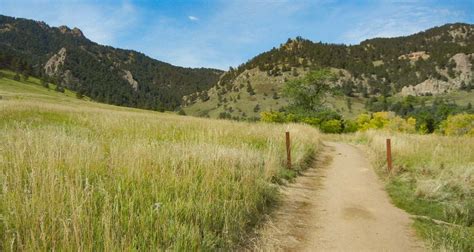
{"type": "Point", "coordinates": [265, 86]}
{"type": "Point", "coordinates": [433, 177]}
{"type": "Point", "coordinates": [78, 175]}
{"type": "Point", "coordinates": [30, 89]}
{"type": "Point", "coordinates": [446, 237]}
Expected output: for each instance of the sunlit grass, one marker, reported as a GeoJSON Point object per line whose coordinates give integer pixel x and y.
{"type": "Point", "coordinates": [76, 175]}
{"type": "Point", "coordinates": [433, 176]}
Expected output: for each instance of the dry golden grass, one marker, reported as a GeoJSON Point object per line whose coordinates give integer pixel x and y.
{"type": "Point", "coordinates": [84, 176]}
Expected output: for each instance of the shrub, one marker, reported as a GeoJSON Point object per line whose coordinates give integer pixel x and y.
{"type": "Point", "coordinates": [350, 126]}
{"type": "Point", "coordinates": [458, 125]}
{"type": "Point", "coordinates": [331, 126]}
{"type": "Point", "coordinates": [271, 116]}
{"type": "Point", "coordinates": [399, 124]}
{"type": "Point", "coordinates": [380, 119]}
{"type": "Point", "coordinates": [44, 83]}
{"type": "Point", "coordinates": [363, 121]}
{"type": "Point", "coordinates": [59, 89]}
{"type": "Point", "coordinates": [314, 121]}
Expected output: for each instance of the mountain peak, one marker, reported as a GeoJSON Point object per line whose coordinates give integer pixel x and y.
{"type": "Point", "coordinates": [75, 31]}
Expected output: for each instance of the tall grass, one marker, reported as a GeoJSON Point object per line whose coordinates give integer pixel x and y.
{"type": "Point", "coordinates": [434, 177]}
{"type": "Point", "coordinates": [89, 177]}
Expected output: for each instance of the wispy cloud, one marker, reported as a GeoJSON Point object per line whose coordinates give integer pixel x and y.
{"type": "Point", "coordinates": [193, 18]}
{"type": "Point", "coordinates": [399, 19]}
{"type": "Point", "coordinates": [235, 31]}
{"type": "Point", "coordinates": [104, 23]}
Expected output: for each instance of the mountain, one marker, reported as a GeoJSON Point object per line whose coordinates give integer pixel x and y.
{"type": "Point", "coordinates": [436, 61]}
{"type": "Point", "coordinates": [106, 74]}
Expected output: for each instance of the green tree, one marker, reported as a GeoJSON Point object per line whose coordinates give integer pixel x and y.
{"type": "Point", "coordinates": [250, 89]}
{"type": "Point", "coordinates": [26, 76]}
{"type": "Point", "coordinates": [256, 108]}
{"type": "Point", "coordinates": [44, 83]}
{"type": "Point", "coordinates": [349, 104]}
{"type": "Point", "coordinates": [59, 89]}
{"type": "Point", "coordinates": [309, 92]}
{"type": "Point", "coordinates": [79, 94]}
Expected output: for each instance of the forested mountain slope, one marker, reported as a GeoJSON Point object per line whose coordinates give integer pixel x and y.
{"type": "Point", "coordinates": [106, 74]}
{"type": "Point", "coordinates": [435, 61]}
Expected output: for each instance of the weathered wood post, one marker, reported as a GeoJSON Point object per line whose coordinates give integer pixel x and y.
{"type": "Point", "coordinates": [288, 150]}
{"type": "Point", "coordinates": [389, 155]}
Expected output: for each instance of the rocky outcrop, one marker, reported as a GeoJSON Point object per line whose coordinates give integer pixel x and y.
{"type": "Point", "coordinates": [6, 28]}
{"type": "Point", "coordinates": [463, 66]}
{"type": "Point", "coordinates": [75, 31]}
{"type": "Point", "coordinates": [428, 87]}
{"type": "Point", "coordinates": [414, 56]}
{"type": "Point", "coordinates": [463, 74]}
{"type": "Point", "coordinates": [53, 65]}
{"type": "Point", "coordinates": [129, 77]}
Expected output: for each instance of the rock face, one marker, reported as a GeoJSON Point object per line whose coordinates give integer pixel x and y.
{"type": "Point", "coordinates": [75, 31]}
{"type": "Point", "coordinates": [414, 56]}
{"type": "Point", "coordinates": [463, 74]}
{"type": "Point", "coordinates": [53, 65]}
{"type": "Point", "coordinates": [53, 68]}
{"type": "Point", "coordinates": [427, 87]}
{"type": "Point", "coordinates": [129, 77]}
{"type": "Point", "coordinates": [463, 66]}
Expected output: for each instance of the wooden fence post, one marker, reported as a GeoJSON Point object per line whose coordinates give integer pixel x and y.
{"type": "Point", "coordinates": [389, 155]}
{"type": "Point", "coordinates": [288, 150]}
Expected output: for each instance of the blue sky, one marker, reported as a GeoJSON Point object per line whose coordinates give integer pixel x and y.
{"type": "Point", "coordinates": [223, 33]}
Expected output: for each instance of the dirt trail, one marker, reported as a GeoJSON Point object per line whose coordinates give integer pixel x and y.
{"type": "Point", "coordinates": [340, 207]}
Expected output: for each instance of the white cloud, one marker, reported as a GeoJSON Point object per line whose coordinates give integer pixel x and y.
{"type": "Point", "coordinates": [193, 18]}
{"type": "Point", "coordinates": [230, 35]}
{"type": "Point", "coordinates": [233, 31]}
{"type": "Point", "coordinates": [399, 19]}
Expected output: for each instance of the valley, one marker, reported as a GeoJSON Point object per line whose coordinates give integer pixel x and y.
{"type": "Point", "coordinates": [108, 149]}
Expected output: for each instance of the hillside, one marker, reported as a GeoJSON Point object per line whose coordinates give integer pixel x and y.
{"type": "Point", "coordinates": [81, 175]}
{"type": "Point", "coordinates": [437, 61]}
{"type": "Point", "coordinates": [106, 74]}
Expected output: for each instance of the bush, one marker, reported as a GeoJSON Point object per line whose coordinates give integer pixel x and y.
{"type": "Point", "coordinates": [386, 120]}
{"type": "Point", "coordinates": [44, 83]}
{"type": "Point", "coordinates": [350, 126]}
{"type": "Point", "coordinates": [363, 122]}
{"type": "Point", "coordinates": [271, 116]}
{"type": "Point", "coordinates": [79, 95]}
{"type": "Point", "coordinates": [380, 119]}
{"type": "Point", "coordinates": [399, 124]}
{"type": "Point", "coordinates": [458, 125]}
{"type": "Point", "coordinates": [331, 126]}
{"type": "Point", "coordinates": [59, 89]}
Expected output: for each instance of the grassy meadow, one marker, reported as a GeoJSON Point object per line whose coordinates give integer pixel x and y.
{"type": "Point", "coordinates": [77, 175]}
{"type": "Point", "coordinates": [433, 177]}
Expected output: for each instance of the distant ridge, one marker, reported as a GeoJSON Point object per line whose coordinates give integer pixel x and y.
{"type": "Point", "coordinates": [436, 61]}
{"type": "Point", "coordinates": [106, 74]}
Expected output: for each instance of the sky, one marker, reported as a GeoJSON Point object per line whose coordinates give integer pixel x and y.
{"type": "Point", "coordinates": [224, 33]}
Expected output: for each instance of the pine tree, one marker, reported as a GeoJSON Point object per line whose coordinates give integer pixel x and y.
{"type": "Point", "coordinates": [256, 108]}
{"type": "Point", "coordinates": [349, 104]}
{"type": "Point", "coordinates": [250, 89]}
